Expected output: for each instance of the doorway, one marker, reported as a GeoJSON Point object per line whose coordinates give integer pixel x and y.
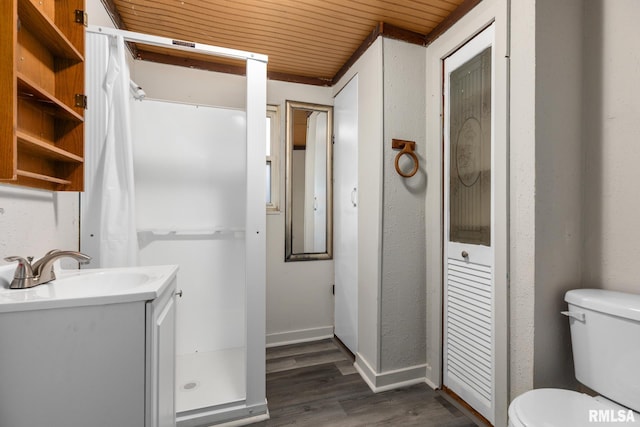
{"type": "Point", "coordinates": [345, 174]}
{"type": "Point", "coordinates": [468, 351]}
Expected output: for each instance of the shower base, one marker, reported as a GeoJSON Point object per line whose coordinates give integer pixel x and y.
{"type": "Point", "coordinates": [210, 378]}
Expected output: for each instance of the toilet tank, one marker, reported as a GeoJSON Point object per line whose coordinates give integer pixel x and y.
{"type": "Point", "coordinates": [605, 336]}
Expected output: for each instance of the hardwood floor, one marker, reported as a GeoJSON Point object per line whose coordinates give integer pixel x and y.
{"type": "Point", "coordinates": [315, 384]}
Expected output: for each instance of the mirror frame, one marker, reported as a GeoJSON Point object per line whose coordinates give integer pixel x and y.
{"type": "Point", "coordinates": [328, 254]}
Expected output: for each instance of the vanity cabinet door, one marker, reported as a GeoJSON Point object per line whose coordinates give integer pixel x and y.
{"type": "Point", "coordinates": [161, 355]}
{"type": "Point", "coordinates": [73, 366]}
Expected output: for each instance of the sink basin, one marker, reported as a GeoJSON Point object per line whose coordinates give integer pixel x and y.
{"type": "Point", "coordinates": [87, 287]}
{"type": "Point", "coordinates": [87, 284]}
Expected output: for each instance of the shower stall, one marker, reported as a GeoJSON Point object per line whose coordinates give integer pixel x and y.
{"type": "Point", "coordinates": [199, 202]}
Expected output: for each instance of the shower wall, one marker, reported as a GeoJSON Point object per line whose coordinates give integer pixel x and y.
{"type": "Point", "coordinates": [190, 174]}
{"type": "Point", "coordinates": [296, 309]}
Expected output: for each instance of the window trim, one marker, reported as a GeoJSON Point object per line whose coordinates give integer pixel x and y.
{"type": "Point", "coordinates": [273, 112]}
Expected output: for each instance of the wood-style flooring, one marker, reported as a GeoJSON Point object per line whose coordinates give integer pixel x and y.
{"type": "Point", "coordinates": [315, 384]}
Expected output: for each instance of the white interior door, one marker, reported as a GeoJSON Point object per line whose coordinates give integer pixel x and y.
{"type": "Point", "coordinates": [469, 342]}
{"type": "Point", "coordinates": [345, 219]}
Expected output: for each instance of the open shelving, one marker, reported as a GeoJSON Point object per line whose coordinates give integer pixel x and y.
{"type": "Point", "coordinates": [42, 75]}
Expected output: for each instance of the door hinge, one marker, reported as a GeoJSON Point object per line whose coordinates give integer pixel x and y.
{"type": "Point", "coordinates": [81, 17]}
{"type": "Point", "coordinates": [333, 289]}
{"type": "Point", "coordinates": [81, 101]}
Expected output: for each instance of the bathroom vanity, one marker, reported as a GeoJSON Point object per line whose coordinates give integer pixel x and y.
{"type": "Point", "coordinates": [92, 348]}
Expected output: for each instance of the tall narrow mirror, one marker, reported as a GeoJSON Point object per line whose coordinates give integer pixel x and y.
{"type": "Point", "coordinates": [309, 211]}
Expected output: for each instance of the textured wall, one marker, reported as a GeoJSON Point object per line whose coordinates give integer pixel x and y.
{"type": "Point", "coordinates": [522, 206]}
{"type": "Point", "coordinates": [558, 133]}
{"type": "Point", "coordinates": [402, 295]}
{"type": "Point", "coordinates": [33, 222]}
{"type": "Point", "coordinates": [611, 130]}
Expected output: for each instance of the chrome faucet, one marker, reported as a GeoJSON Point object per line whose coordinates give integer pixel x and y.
{"type": "Point", "coordinates": [28, 275]}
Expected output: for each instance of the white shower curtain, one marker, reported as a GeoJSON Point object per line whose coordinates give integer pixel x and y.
{"type": "Point", "coordinates": [118, 234]}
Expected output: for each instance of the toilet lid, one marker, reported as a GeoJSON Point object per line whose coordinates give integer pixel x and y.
{"type": "Point", "coordinates": [566, 408]}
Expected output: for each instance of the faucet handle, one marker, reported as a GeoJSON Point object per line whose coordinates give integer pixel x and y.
{"type": "Point", "coordinates": [23, 276]}
{"type": "Point", "coordinates": [22, 261]}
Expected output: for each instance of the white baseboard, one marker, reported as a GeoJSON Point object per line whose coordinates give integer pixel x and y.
{"type": "Point", "coordinates": [432, 380]}
{"type": "Point", "coordinates": [299, 336]}
{"type": "Point", "coordinates": [245, 421]}
{"type": "Point", "coordinates": [379, 382]}
{"type": "Point", "coordinates": [232, 414]}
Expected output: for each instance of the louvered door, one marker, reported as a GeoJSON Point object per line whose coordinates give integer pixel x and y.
{"type": "Point", "coordinates": [468, 345]}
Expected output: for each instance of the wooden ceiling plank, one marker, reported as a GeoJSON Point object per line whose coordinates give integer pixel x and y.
{"type": "Point", "coordinates": [307, 39]}
{"type": "Point", "coordinates": [115, 17]}
{"type": "Point", "coordinates": [306, 68]}
{"type": "Point", "coordinates": [406, 9]}
{"type": "Point", "coordinates": [414, 23]}
{"type": "Point", "coordinates": [112, 11]}
{"type": "Point", "coordinates": [243, 14]}
{"type": "Point", "coordinates": [311, 12]}
{"type": "Point", "coordinates": [211, 37]}
{"type": "Point", "coordinates": [270, 36]}
{"type": "Point", "coordinates": [440, 8]}
{"type": "Point", "coordinates": [303, 58]}
{"type": "Point", "coordinates": [447, 5]}
{"type": "Point", "coordinates": [265, 45]}
{"type": "Point", "coordinates": [358, 53]}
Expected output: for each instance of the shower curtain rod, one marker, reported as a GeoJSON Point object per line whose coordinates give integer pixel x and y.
{"type": "Point", "coordinates": [186, 46]}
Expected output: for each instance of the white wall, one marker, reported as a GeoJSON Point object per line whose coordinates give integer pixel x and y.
{"type": "Point", "coordinates": [299, 298]}
{"type": "Point", "coordinates": [33, 222]}
{"type": "Point", "coordinates": [611, 112]}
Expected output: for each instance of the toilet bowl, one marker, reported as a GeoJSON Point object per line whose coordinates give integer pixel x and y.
{"type": "Point", "coordinates": [549, 407]}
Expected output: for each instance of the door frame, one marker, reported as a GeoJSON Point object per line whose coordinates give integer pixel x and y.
{"type": "Point", "coordinates": [478, 254]}
{"type": "Point", "coordinates": [481, 16]}
{"type": "Point", "coordinates": [345, 292]}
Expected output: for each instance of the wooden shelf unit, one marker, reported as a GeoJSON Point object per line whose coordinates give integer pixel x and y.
{"type": "Point", "coordinates": [41, 81]}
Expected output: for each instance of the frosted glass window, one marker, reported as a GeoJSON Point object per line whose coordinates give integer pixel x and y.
{"type": "Point", "coordinates": [268, 136]}
{"type": "Point", "coordinates": [470, 156]}
{"type": "Point", "coordinates": [268, 182]}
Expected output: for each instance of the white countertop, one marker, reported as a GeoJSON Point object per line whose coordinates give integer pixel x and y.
{"type": "Point", "coordinates": [86, 287]}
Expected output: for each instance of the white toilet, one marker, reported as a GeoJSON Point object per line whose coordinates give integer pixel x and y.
{"type": "Point", "coordinates": [605, 335]}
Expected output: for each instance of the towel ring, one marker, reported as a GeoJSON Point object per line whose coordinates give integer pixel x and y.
{"type": "Point", "coordinates": [406, 147]}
